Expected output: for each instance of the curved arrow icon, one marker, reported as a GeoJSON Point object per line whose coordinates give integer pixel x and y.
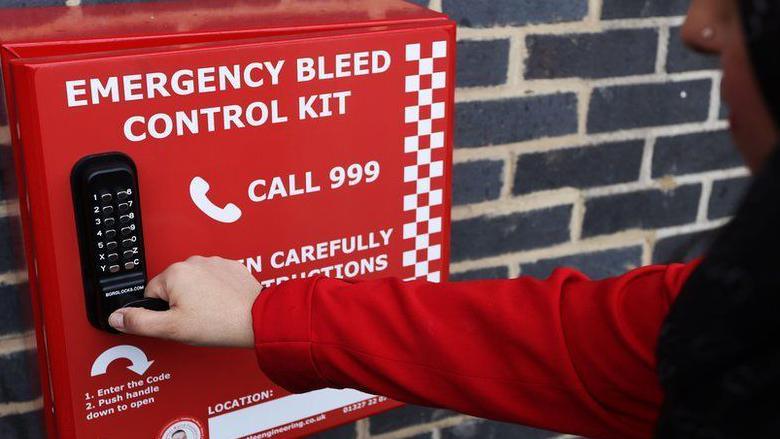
{"type": "Point", "coordinates": [140, 363]}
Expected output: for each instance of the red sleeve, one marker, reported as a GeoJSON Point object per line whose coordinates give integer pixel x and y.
{"type": "Point", "coordinates": [567, 354]}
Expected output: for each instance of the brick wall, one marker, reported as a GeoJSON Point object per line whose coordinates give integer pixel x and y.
{"type": "Point", "coordinates": [587, 136]}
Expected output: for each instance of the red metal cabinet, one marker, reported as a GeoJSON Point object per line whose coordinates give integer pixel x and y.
{"type": "Point", "coordinates": [299, 137]}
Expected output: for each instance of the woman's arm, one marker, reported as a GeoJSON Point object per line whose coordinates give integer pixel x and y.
{"type": "Point", "coordinates": [566, 353]}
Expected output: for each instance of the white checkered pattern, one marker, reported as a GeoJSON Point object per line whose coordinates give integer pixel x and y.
{"type": "Point", "coordinates": [426, 173]}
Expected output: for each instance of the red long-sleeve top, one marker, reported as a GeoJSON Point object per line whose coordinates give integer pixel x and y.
{"type": "Point", "coordinates": [567, 354]}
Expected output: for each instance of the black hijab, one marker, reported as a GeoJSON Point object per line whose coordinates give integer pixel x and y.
{"type": "Point", "coordinates": [719, 349]}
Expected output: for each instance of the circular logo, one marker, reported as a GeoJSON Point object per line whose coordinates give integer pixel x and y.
{"type": "Point", "coordinates": [183, 429]}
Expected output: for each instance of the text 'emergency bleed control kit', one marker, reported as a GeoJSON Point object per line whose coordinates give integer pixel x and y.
{"type": "Point", "coordinates": [301, 138]}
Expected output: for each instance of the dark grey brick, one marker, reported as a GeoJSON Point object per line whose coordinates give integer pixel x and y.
{"type": "Point", "coordinates": [348, 431]}
{"type": "Point", "coordinates": [482, 63]}
{"type": "Point", "coordinates": [581, 167]}
{"type": "Point", "coordinates": [495, 235]}
{"type": "Point", "coordinates": [682, 248]}
{"type": "Point", "coordinates": [3, 113]}
{"type": "Point", "coordinates": [484, 273]}
{"type": "Point", "coordinates": [25, 426]}
{"type": "Point", "coordinates": [493, 430]}
{"type": "Point", "coordinates": [7, 173]}
{"type": "Point", "coordinates": [406, 416]}
{"type": "Point", "coordinates": [643, 8]}
{"type": "Point", "coordinates": [19, 377]}
{"type": "Point", "coordinates": [15, 309]}
{"type": "Point", "coordinates": [469, 13]}
{"type": "Point", "coordinates": [645, 209]}
{"type": "Point", "coordinates": [11, 252]}
{"type": "Point", "coordinates": [596, 265]}
{"type": "Point", "coordinates": [681, 59]}
{"type": "Point", "coordinates": [646, 105]}
{"type": "Point", "coordinates": [593, 55]}
{"type": "Point", "coordinates": [473, 182]}
{"type": "Point", "coordinates": [483, 123]}
{"type": "Point", "coordinates": [726, 196]}
{"type": "Point", "coordinates": [691, 153]}
{"type": "Point", "coordinates": [29, 3]}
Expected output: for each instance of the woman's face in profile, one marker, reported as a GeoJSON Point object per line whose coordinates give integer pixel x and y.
{"type": "Point", "coordinates": [715, 27]}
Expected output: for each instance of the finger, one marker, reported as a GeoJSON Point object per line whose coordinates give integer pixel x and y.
{"type": "Point", "coordinates": [140, 321]}
{"type": "Point", "coordinates": [155, 288]}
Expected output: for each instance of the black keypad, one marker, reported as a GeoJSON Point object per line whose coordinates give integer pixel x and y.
{"type": "Point", "coordinates": [108, 219]}
{"type": "Point", "coordinates": [115, 207]}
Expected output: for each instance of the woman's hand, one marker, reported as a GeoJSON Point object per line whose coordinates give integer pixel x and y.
{"type": "Point", "coordinates": [211, 305]}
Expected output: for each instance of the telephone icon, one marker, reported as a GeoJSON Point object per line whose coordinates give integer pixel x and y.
{"type": "Point", "coordinates": [198, 190]}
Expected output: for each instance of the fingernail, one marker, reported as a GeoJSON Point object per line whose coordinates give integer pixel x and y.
{"type": "Point", "coordinates": [117, 320]}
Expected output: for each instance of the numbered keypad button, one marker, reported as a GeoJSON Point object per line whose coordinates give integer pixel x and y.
{"type": "Point", "coordinates": [124, 208]}
{"type": "Point", "coordinates": [122, 196]}
{"type": "Point", "coordinates": [108, 210]}
{"type": "Point", "coordinates": [110, 234]}
{"type": "Point", "coordinates": [124, 219]}
{"type": "Point", "coordinates": [126, 231]}
{"type": "Point", "coordinates": [127, 243]}
{"type": "Point", "coordinates": [109, 222]}
{"type": "Point", "coordinates": [111, 245]}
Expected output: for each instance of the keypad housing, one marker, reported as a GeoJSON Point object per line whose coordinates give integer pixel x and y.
{"type": "Point", "coordinates": [111, 242]}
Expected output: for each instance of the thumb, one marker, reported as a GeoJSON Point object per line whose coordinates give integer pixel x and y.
{"type": "Point", "coordinates": [140, 321]}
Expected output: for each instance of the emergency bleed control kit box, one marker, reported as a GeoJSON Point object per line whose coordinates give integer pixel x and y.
{"type": "Point", "coordinates": [299, 137]}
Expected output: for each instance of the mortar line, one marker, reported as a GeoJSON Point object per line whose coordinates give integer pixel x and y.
{"type": "Point", "coordinates": [9, 208]}
{"type": "Point", "coordinates": [620, 239]}
{"type": "Point", "coordinates": [662, 51]}
{"type": "Point", "coordinates": [516, 61]}
{"type": "Point", "coordinates": [574, 84]}
{"type": "Point", "coordinates": [647, 250]}
{"type": "Point", "coordinates": [617, 240]}
{"type": "Point", "coordinates": [509, 175]}
{"type": "Point", "coordinates": [13, 277]}
{"type": "Point", "coordinates": [20, 408]}
{"type": "Point", "coordinates": [24, 341]}
{"type": "Point", "coordinates": [422, 428]}
{"type": "Point", "coordinates": [577, 219]}
{"type": "Point", "coordinates": [363, 429]}
{"type": "Point", "coordinates": [646, 168]}
{"type": "Point", "coordinates": [5, 133]}
{"type": "Point", "coordinates": [573, 27]}
{"type": "Point", "coordinates": [704, 200]}
{"type": "Point", "coordinates": [715, 97]}
{"type": "Point", "coordinates": [594, 11]}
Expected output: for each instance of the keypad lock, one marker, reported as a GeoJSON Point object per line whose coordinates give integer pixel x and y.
{"type": "Point", "coordinates": [111, 243]}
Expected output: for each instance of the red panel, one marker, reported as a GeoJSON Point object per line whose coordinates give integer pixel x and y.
{"type": "Point", "coordinates": [396, 119]}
